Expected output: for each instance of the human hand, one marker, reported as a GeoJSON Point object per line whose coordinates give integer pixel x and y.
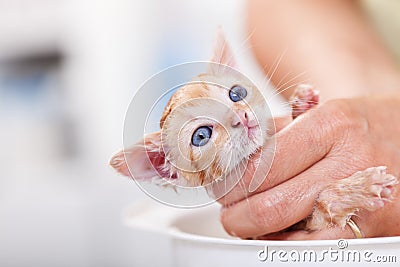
{"type": "Point", "coordinates": [331, 142]}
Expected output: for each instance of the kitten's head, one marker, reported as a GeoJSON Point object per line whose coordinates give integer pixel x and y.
{"type": "Point", "coordinates": [209, 127]}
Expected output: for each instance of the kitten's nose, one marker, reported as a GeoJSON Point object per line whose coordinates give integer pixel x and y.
{"type": "Point", "coordinates": [243, 117]}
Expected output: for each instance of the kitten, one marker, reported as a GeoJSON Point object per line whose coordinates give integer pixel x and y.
{"type": "Point", "coordinates": [209, 127]}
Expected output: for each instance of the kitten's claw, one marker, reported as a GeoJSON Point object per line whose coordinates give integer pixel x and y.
{"type": "Point", "coordinates": [365, 190]}
{"type": "Point", "coordinates": [303, 99]}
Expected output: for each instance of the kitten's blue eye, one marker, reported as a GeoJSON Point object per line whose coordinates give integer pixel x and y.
{"type": "Point", "coordinates": [237, 93]}
{"type": "Point", "coordinates": [201, 136]}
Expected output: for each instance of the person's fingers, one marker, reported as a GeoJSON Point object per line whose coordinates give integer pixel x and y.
{"type": "Point", "coordinates": [281, 206]}
{"type": "Point", "coordinates": [278, 123]}
{"type": "Point", "coordinates": [324, 234]}
{"type": "Point", "coordinates": [299, 145]}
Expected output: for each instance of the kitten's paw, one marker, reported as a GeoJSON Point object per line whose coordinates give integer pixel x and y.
{"type": "Point", "coordinates": [303, 99]}
{"type": "Point", "coordinates": [364, 190]}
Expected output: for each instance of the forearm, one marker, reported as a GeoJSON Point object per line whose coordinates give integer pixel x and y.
{"type": "Point", "coordinates": [327, 43]}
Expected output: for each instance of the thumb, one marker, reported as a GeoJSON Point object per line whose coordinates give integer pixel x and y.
{"type": "Point", "coordinates": [276, 124]}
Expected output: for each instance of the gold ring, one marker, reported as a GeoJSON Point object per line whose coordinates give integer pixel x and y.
{"type": "Point", "coordinates": [356, 230]}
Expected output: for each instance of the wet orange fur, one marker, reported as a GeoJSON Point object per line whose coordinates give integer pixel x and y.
{"type": "Point", "coordinates": [183, 95]}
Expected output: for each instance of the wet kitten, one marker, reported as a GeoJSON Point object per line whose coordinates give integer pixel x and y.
{"type": "Point", "coordinates": [210, 126]}
{"type": "Point", "coordinates": [207, 128]}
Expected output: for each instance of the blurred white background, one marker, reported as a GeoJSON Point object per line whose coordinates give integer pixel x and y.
{"type": "Point", "coordinates": [68, 70]}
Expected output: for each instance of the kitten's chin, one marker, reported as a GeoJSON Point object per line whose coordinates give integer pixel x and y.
{"type": "Point", "coordinates": [255, 138]}
{"type": "Point", "coordinates": [253, 145]}
{"type": "Point", "coordinates": [254, 133]}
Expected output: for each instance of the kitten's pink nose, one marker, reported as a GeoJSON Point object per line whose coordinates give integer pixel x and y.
{"type": "Point", "coordinates": [242, 117]}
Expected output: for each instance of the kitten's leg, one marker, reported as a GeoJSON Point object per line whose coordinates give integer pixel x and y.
{"type": "Point", "coordinates": [364, 190]}
{"type": "Point", "coordinates": [303, 99]}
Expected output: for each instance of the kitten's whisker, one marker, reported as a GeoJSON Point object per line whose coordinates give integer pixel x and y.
{"type": "Point", "coordinates": [308, 102]}
{"type": "Point", "coordinates": [248, 37]}
{"type": "Point", "coordinates": [286, 104]}
{"type": "Point", "coordinates": [290, 103]}
{"type": "Point", "coordinates": [294, 100]}
{"type": "Point", "coordinates": [242, 47]}
{"type": "Point", "coordinates": [269, 76]}
{"type": "Point", "coordinates": [279, 91]}
{"type": "Point", "coordinates": [304, 81]}
{"type": "Point", "coordinates": [240, 179]}
{"type": "Point", "coordinates": [275, 64]}
{"type": "Point", "coordinates": [243, 185]}
{"type": "Point", "coordinates": [294, 78]}
{"type": "Point", "coordinates": [281, 80]}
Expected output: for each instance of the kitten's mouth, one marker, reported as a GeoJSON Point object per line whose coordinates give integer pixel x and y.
{"type": "Point", "coordinates": [252, 132]}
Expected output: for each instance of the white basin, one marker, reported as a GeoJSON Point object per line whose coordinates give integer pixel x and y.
{"type": "Point", "coordinates": [198, 239]}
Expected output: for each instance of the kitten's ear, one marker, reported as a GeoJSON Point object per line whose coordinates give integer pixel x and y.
{"type": "Point", "coordinates": [222, 53]}
{"type": "Point", "coordinates": [144, 160]}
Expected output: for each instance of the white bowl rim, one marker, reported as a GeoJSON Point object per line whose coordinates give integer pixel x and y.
{"type": "Point", "coordinates": [177, 234]}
